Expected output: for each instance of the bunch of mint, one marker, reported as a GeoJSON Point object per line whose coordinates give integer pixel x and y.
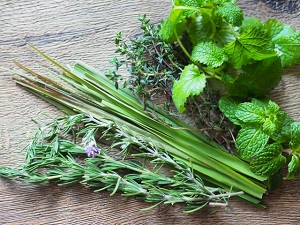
{"type": "Point", "coordinates": [247, 55]}
{"type": "Point", "coordinates": [268, 137]}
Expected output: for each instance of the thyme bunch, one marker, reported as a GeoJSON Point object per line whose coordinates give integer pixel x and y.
{"type": "Point", "coordinates": [153, 65]}
{"type": "Point", "coordinates": [57, 153]}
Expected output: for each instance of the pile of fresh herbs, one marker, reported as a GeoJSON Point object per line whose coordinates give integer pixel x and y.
{"type": "Point", "coordinates": [217, 67]}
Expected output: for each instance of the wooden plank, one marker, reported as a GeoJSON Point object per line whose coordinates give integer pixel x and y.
{"type": "Point", "coordinates": [85, 29]}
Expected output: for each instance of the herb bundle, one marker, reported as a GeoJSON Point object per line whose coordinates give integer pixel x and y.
{"type": "Point", "coordinates": [161, 158]}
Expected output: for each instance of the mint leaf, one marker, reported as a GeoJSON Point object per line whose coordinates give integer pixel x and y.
{"type": "Point", "coordinates": [293, 168]}
{"type": "Point", "coordinates": [258, 79]}
{"type": "Point", "coordinates": [262, 103]}
{"type": "Point", "coordinates": [191, 4]}
{"type": "Point", "coordinates": [228, 106]}
{"type": "Point", "coordinates": [250, 23]}
{"type": "Point", "coordinates": [286, 40]}
{"type": "Point", "coordinates": [251, 141]}
{"type": "Point", "coordinates": [275, 118]}
{"type": "Point", "coordinates": [200, 30]}
{"type": "Point", "coordinates": [268, 161]}
{"type": "Point", "coordinates": [253, 44]}
{"type": "Point", "coordinates": [208, 53]}
{"type": "Point", "coordinates": [172, 27]}
{"type": "Point", "coordinates": [250, 113]}
{"type": "Point", "coordinates": [231, 13]}
{"type": "Point", "coordinates": [283, 135]}
{"type": "Point", "coordinates": [191, 83]}
{"type": "Point", "coordinates": [295, 137]}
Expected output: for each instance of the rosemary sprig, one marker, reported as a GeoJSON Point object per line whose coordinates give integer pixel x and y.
{"type": "Point", "coordinates": [53, 158]}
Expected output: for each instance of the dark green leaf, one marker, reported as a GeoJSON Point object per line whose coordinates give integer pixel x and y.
{"type": "Point", "coordinates": [258, 79]}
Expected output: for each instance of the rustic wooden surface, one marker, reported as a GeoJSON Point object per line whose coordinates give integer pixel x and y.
{"type": "Point", "coordinates": [84, 29]}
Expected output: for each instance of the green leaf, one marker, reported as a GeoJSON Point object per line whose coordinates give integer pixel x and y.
{"type": "Point", "coordinates": [208, 53]}
{"type": "Point", "coordinates": [172, 27]}
{"type": "Point", "coordinates": [295, 137]}
{"type": "Point", "coordinates": [283, 134]}
{"type": "Point", "coordinates": [200, 30]}
{"type": "Point", "coordinates": [253, 44]}
{"type": "Point", "coordinates": [286, 40]}
{"type": "Point", "coordinates": [250, 23]}
{"type": "Point", "coordinates": [268, 161]}
{"type": "Point", "coordinates": [258, 79]}
{"type": "Point", "coordinates": [251, 141]}
{"type": "Point", "coordinates": [191, 83]}
{"type": "Point", "coordinates": [275, 180]}
{"type": "Point", "coordinates": [228, 106]}
{"type": "Point", "coordinates": [250, 113]}
{"type": "Point", "coordinates": [231, 13]}
{"type": "Point", "coordinates": [196, 4]}
{"type": "Point", "coordinates": [293, 168]}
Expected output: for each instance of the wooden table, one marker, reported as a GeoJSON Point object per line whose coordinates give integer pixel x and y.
{"type": "Point", "coordinates": [84, 29]}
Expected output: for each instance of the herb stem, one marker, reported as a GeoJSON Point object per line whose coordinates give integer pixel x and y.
{"type": "Point", "coordinates": [181, 45]}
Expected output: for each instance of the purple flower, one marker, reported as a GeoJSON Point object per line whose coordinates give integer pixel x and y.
{"type": "Point", "coordinates": [91, 150]}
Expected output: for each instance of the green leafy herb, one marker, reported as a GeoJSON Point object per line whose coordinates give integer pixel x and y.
{"type": "Point", "coordinates": [245, 54]}
{"type": "Point", "coordinates": [286, 40]}
{"type": "Point", "coordinates": [265, 131]}
{"type": "Point", "coordinates": [254, 44]}
{"type": "Point", "coordinates": [191, 83]}
{"type": "Point", "coordinates": [269, 160]}
{"type": "Point", "coordinates": [209, 54]}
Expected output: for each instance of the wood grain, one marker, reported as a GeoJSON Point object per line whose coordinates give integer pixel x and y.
{"type": "Point", "coordinates": [84, 29]}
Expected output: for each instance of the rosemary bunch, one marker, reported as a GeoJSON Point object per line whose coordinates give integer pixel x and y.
{"type": "Point", "coordinates": [52, 157]}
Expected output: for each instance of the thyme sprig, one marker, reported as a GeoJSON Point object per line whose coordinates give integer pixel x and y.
{"type": "Point", "coordinates": [144, 170]}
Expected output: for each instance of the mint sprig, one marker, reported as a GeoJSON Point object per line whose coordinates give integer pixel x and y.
{"type": "Point", "coordinates": [268, 137]}
{"type": "Point", "coordinates": [247, 55]}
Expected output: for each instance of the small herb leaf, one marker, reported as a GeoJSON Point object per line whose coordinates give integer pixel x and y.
{"type": "Point", "coordinates": [228, 106]}
{"type": "Point", "coordinates": [268, 161]}
{"type": "Point", "coordinates": [293, 168]}
{"type": "Point", "coordinates": [286, 40]}
{"type": "Point", "coordinates": [250, 113]}
{"type": "Point", "coordinates": [295, 137]}
{"type": "Point", "coordinates": [208, 53]}
{"type": "Point", "coordinates": [191, 83]}
{"type": "Point", "coordinates": [231, 13]}
{"type": "Point", "coordinates": [251, 141]}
